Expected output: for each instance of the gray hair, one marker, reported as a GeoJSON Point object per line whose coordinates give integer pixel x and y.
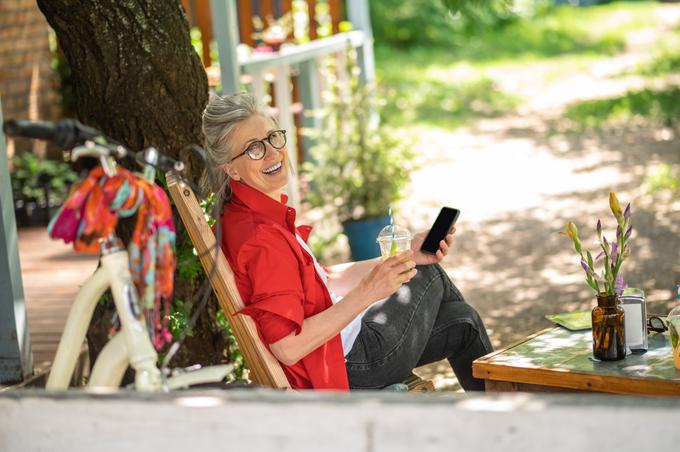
{"type": "Point", "coordinates": [220, 118]}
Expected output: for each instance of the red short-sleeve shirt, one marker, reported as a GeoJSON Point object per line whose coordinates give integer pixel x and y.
{"type": "Point", "coordinates": [278, 282]}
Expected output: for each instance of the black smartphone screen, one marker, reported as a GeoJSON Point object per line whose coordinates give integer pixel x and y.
{"type": "Point", "coordinates": [442, 225]}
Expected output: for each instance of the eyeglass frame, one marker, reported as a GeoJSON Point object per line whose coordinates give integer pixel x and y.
{"type": "Point", "coordinates": [660, 329]}
{"type": "Point", "coordinates": [264, 142]}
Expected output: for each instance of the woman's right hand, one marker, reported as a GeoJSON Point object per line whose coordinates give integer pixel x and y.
{"type": "Point", "coordinates": [387, 276]}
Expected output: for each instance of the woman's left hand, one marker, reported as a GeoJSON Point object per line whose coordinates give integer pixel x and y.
{"type": "Point", "coordinates": [426, 259]}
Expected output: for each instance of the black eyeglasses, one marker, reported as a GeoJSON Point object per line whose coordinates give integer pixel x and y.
{"type": "Point", "coordinates": [257, 149]}
{"type": "Point", "coordinates": [656, 324]}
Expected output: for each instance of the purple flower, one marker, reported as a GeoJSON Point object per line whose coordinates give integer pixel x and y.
{"type": "Point", "coordinates": [584, 264]}
{"type": "Point", "coordinates": [619, 285]}
{"type": "Point", "coordinates": [618, 231]}
{"type": "Point", "coordinates": [614, 253]}
{"type": "Point", "coordinates": [599, 256]}
{"type": "Point", "coordinates": [599, 229]}
{"type": "Point", "coordinates": [628, 232]}
{"type": "Point", "coordinates": [626, 213]}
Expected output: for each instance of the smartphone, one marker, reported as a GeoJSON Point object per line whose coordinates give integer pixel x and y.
{"type": "Point", "coordinates": [442, 225]}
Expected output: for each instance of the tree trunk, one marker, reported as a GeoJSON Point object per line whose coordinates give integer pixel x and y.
{"type": "Point", "coordinates": [137, 78]}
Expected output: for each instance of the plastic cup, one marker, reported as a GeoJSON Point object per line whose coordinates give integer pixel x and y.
{"type": "Point", "coordinates": [393, 239]}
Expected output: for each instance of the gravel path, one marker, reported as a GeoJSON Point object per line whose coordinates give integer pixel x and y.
{"type": "Point", "coordinates": [517, 182]}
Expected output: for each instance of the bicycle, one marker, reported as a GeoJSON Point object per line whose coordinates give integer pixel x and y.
{"type": "Point", "coordinates": [132, 344]}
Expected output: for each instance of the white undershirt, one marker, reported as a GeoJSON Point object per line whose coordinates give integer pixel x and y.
{"type": "Point", "coordinates": [349, 333]}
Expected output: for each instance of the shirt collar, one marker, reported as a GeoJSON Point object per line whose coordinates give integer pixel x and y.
{"type": "Point", "coordinates": [257, 201]}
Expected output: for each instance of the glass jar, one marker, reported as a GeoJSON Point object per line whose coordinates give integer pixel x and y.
{"type": "Point", "coordinates": [673, 321]}
{"type": "Point", "coordinates": [609, 333]}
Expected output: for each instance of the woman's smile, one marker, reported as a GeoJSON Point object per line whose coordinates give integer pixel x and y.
{"type": "Point", "coordinates": [273, 169]}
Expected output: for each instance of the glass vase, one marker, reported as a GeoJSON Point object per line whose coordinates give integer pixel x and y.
{"type": "Point", "coordinates": [609, 333]}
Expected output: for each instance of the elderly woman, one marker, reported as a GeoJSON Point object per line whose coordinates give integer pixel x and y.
{"type": "Point", "coordinates": [361, 325]}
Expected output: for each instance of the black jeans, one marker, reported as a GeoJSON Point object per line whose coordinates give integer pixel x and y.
{"type": "Point", "coordinates": [425, 321]}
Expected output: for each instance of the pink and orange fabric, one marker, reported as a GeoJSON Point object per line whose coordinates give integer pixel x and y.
{"type": "Point", "coordinates": [91, 212]}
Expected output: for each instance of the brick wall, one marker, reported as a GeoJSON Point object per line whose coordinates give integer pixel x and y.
{"type": "Point", "coordinates": [28, 85]}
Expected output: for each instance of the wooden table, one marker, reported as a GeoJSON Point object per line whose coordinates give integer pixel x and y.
{"type": "Point", "coordinates": [559, 360]}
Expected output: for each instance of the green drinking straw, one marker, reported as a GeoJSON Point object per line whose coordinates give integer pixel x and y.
{"type": "Point", "coordinates": [393, 247]}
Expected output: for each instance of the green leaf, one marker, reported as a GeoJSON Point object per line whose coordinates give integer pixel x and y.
{"type": "Point", "coordinates": [590, 260]}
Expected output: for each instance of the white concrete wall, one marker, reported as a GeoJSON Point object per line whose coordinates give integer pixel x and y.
{"type": "Point", "coordinates": [256, 421]}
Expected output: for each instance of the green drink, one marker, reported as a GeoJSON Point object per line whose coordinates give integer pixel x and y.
{"type": "Point", "coordinates": [393, 239]}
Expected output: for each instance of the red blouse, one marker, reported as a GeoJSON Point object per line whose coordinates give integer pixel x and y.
{"type": "Point", "coordinates": [278, 282]}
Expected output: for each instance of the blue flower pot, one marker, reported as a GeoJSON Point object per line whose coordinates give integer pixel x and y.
{"type": "Point", "coordinates": [362, 235]}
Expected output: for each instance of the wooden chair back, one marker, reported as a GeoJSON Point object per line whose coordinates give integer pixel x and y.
{"type": "Point", "coordinates": [265, 370]}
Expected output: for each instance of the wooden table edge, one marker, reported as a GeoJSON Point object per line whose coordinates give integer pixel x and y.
{"type": "Point", "coordinates": [483, 368]}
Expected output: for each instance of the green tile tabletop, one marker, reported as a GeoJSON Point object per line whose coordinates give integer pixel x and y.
{"type": "Point", "coordinates": [561, 359]}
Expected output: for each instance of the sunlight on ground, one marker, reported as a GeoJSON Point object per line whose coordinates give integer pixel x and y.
{"type": "Point", "coordinates": [518, 178]}
{"type": "Point", "coordinates": [486, 174]}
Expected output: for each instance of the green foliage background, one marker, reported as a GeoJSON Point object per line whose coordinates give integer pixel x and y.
{"type": "Point", "coordinates": [423, 22]}
{"type": "Point", "coordinates": [30, 173]}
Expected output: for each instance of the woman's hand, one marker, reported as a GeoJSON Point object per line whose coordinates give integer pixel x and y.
{"type": "Point", "coordinates": [426, 259]}
{"type": "Point", "coordinates": [387, 276]}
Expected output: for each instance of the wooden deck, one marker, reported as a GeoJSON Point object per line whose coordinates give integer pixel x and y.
{"type": "Point", "coordinates": [52, 274]}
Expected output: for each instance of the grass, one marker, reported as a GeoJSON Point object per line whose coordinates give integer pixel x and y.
{"type": "Point", "coordinates": [664, 179]}
{"type": "Point", "coordinates": [444, 103]}
{"type": "Point", "coordinates": [666, 61]}
{"type": "Point", "coordinates": [658, 105]}
{"type": "Point", "coordinates": [448, 86]}
{"type": "Point", "coordinates": [562, 30]}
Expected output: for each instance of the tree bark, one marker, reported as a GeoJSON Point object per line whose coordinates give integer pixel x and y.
{"type": "Point", "coordinates": [137, 78]}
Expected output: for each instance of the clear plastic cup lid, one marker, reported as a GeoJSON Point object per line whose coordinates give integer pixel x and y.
{"type": "Point", "coordinates": [395, 232]}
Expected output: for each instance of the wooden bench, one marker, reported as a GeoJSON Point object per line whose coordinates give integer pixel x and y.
{"type": "Point", "coordinates": [265, 370]}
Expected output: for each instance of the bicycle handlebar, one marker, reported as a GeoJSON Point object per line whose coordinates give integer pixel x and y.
{"type": "Point", "coordinates": [65, 132]}
{"type": "Point", "coordinates": [152, 157]}
{"type": "Point", "coordinates": [69, 133]}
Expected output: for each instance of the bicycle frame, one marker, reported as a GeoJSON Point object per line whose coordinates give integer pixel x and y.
{"type": "Point", "coordinates": [131, 346]}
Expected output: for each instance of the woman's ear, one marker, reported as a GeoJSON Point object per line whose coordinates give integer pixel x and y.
{"type": "Point", "coordinates": [231, 172]}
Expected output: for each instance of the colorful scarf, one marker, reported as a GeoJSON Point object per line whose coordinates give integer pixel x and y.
{"type": "Point", "coordinates": [91, 213]}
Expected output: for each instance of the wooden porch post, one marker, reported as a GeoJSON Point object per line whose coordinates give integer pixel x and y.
{"type": "Point", "coordinates": [225, 29]}
{"type": "Point", "coordinates": [358, 15]}
{"type": "Point", "coordinates": [310, 97]}
{"type": "Point", "coordinates": [16, 358]}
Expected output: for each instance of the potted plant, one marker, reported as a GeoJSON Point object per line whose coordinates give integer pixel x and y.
{"type": "Point", "coordinates": [357, 165]}
{"type": "Point", "coordinates": [39, 187]}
